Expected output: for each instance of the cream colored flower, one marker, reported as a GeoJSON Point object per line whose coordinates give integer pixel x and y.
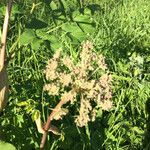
{"type": "Point", "coordinates": [60, 113]}
{"type": "Point", "coordinates": [82, 82]}
{"type": "Point", "coordinates": [65, 79]}
{"type": "Point", "coordinates": [67, 62]}
{"type": "Point", "coordinates": [52, 64]}
{"type": "Point", "coordinates": [52, 89]}
{"type": "Point", "coordinates": [68, 96]}
{"type": "Point", "coordinates": [101, 62]}
{"type": "Point", "coordinates": [51, 75]}
{"type": "Point", "coordinates": [87, 45]}
{"type": "Point", "coordinates": [108, 93]}
{"type": "Point", "coordinates": [105, 80]}
{"type": "Point", "coordinates": [91, 94]}
{"type": "Point", "coordinates": [82, 120]}
{"type": "Point", "coordinates": [106, 104]}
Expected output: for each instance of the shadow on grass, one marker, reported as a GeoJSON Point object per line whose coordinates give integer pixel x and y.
{"type": "Point", "coordinates": [123, 45]}
{"type": "Point", "coordinates": [20, 137]}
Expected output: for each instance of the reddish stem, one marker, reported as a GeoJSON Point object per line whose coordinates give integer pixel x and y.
{"type": "Point", "coordinates": [48, 123]}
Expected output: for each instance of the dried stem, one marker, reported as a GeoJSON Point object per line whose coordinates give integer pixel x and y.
{"type": "Point", "coordinates": [3, 72]}
{"type": "Point", "coordinates": [4, 34]}
{"type": "Point", "coordinates": [48, 123]}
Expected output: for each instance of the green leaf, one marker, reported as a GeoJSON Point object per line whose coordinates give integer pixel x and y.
{"type": "Point", "coordinates": [6, 146]}
{"type": "Point", "coordinates": [79, 35]}
{"type": "Point", "coordinates": [87, 28]}
{"type": "Point", "coordinates": [75, 31]}
{"type": "Point", "coordinates": [35, 114]}
{"type": "Point", "coordinates": [99, 113]}
{"type": "Point", "coordinates": [23, 103]}
{"type": "Point", "coordinates": [36, 24]}
{"type": "Point", "coordinates": [137, 130]}
{"type": "Point", "coordinates": [2, 11]}
{"type": "Point", "coordinates": [45, 36]}
{"type": "Point", "coordinates": [55, 46]}
{"type": "Point", "coordinates": [71, 27]}
{"type": "Point", "coordinates": [36, 43]}
{"type": "Point", "coordinates": [15, 10]}
{"type": "Point", "coordinates": [82, 18]}
{"type": "Point", "coordinates": [27, 37]}
{"type": "Point", "coordinates": [53, 5]}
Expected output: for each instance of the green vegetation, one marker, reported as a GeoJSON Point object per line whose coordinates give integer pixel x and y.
{"type": "Point", "coordinates": [120, 30]}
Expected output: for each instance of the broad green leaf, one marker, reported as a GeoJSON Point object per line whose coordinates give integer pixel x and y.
{"type": "Point", "coordinates": [6, 146]}
{"type": "Point", "coordinates": [71, 27]}
{"type": "Point", "coordinates": [87, 28]}
{"type": "Point", "coordinates": [55, 46]}
{"type": "Point", "coordinates": [82, 18]}
{"type": "Point", "coordinates": [53, 39]}
{"type": "Point", "coordinates": [36, 43]}
{"type": "Point", "coordinates": [45, 36]}
{"type": "Point", "coordinates": [75, 31]}
{"type": "Point", "coordinates": [79, 35]}
{"type": "Point", "coordinates": [27, 37]}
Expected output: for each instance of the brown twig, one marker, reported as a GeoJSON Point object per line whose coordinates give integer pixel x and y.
{"type": "Point", "coordinates": [4, 34]}
{"type": "Point", "coordinates": [48, 123]}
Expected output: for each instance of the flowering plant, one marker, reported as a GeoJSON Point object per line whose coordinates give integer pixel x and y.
{"type": "Point", "coordinates": [85, 83]}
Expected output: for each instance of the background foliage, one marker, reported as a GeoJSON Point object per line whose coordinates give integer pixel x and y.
{"type": "Point", "coordinates": [119, 29]}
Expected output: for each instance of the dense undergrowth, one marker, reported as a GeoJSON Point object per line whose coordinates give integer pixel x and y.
{"type": "Point", "coordinates": [120, 30]}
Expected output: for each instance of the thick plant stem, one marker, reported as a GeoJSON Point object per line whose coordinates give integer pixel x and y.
{"type": "Point", "coordinates": [3, 72]}
{"type": "Point", "coordinates": [4, 33]}
{"type": "Point", "coordinates": [48, 123]}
